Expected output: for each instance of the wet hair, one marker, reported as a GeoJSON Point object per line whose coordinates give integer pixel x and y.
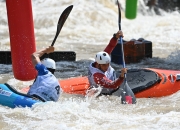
{"type": "Point", "coordinates": [51, 70]}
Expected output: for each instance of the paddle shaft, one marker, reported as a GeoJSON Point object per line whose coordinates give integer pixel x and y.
{"type": "Point", "coordinates": [120, 39]}
{"type": "Point", "coordinates": [61, 21]}
{"type": "Point", "coordinates": [127, 95]}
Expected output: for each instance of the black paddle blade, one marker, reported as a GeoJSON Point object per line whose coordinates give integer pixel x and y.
{"type": "Point", "coordinates": [61, 21]}
{"type": "Point", "coordinates": [127, 95]}
{"type": "Point", "coordinates": [119, 10]}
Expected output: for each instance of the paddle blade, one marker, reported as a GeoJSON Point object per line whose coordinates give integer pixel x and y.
{"type": "Point", "coordinates": [127, 95]}
{"type": "Point", "coordinates": [61, 21]}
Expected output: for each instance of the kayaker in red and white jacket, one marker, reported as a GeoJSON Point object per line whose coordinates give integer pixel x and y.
{"type": "Point", "coordinates": [101, 74]}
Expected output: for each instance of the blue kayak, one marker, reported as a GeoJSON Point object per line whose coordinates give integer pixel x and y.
{"type": "Point", "coordinates": [12, 98]}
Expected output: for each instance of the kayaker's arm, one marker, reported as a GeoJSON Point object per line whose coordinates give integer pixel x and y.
{"type": "Point", "coordinates": [102, 80]}
{"type": "Point", "coordinates": [35, 57]}
{"type": "Point", "coordinates": [113, 42]}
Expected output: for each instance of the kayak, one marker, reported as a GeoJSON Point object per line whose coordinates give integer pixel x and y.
{"type": "Point", "coordinates": [145, 83]}
{"type": "Point", "coordinates": [12, 98]}
{"type": "Point", "coordinates": [168, 83]}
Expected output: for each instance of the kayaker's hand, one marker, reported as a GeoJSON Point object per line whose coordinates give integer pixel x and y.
{"type": "Point", "coordinates": [50, 49]}
{"type": "Point", "coordinates": [119, 34]}
{"type": "Point", "coordinates": [123, 71]}
{"type": "Point", "coordinates": [93, 92]}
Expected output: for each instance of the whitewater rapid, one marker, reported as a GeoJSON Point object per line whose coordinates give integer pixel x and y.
{"type": "Point", "coordinates": [88, 30]}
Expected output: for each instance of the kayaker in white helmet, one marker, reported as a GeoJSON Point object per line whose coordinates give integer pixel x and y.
{"type": "Point", "coordinates": [46, 87]}
{"type": "Point", "coordinates": [101, 74]}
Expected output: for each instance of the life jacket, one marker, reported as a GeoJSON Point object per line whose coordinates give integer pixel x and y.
{"type": "Point", "coordinates": [46, 86]}
{"type": "Point", "coordinates": [110, 74]}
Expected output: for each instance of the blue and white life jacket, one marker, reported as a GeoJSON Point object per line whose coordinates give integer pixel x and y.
{"type": "Point", "coordinates": [46, 87]}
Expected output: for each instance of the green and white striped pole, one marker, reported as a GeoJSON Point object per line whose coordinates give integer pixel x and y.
{"type": "Point", "coordinates": [131, 9]}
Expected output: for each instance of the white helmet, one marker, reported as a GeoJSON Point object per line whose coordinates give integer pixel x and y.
{"type": "Point", "coordinates": [49, 63]}
{"type": "Point", "coordinates": [102, 58]}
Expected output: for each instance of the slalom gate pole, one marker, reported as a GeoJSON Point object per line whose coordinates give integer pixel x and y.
{"type": "Point", "coordinates": [22, 39]}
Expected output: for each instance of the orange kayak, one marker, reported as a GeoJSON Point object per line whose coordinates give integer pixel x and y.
{"type": "Point", "coordinates": [169, 83]}
{"type": "Point", "coordinates": [76, 85]}
{"type": "Point", "coordinates": [145, 83]}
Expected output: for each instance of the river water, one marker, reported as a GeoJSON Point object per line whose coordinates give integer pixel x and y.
{"type": "Point", "coordinates": [87, 30]}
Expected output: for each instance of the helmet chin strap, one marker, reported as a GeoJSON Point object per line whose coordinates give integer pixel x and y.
{"type": "Point", "coordinates": [51, 70]}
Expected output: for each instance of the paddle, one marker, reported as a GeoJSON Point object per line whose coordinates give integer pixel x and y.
{"type": "Point", "coordinates": [60, 24]}
{"type": "Point", "coordinates": [127, 95]}
{"type": "Point", "coordinates": [61, 21]}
